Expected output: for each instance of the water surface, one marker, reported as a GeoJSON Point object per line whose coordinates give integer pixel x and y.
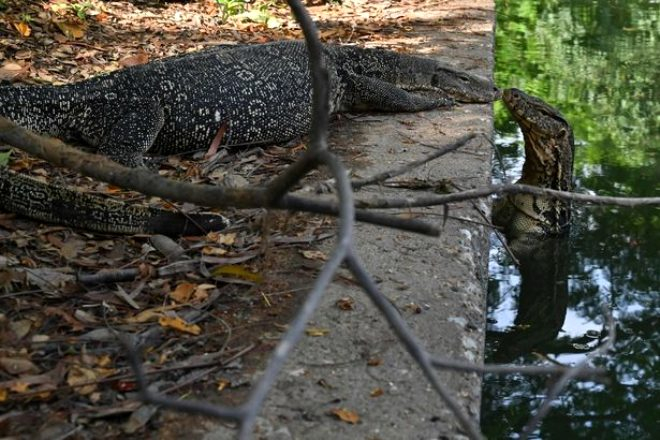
{"type": "Point", "coordinates": [598, 61]}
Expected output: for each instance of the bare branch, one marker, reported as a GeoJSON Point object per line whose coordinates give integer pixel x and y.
{"type": "Point", "coordinates": [508, 188]}
{"type": "Point", "coordinates": [146, 182]}
{"type": "Point", "coordinates": [142, 180]}
{"type": "Point", "coordinates": [297, 327]}
{"type": "Point", "coordinates": [294, 203]}
{"type": "Point", "coordinates": [318, 136]}
{"type": "Point", "coordinates": [528, 370]}
{"type": "Point", "coordinates": [410, 342]}
{"type": "Point", "coordinates": [188, 406]}
{"type": "Point", "coordinates": [318, 147]}
{"type": "Point", "coordinates": [381, 177]}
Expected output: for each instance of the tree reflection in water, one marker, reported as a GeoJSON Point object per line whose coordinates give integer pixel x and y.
{"type": "Point", "coordinates": [596, 61]}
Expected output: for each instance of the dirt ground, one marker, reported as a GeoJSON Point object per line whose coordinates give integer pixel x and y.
{"type": "Point", "coordinates": [206, 332]}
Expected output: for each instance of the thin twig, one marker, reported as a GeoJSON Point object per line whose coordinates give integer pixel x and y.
{"type": "Point", "coordinates": [318, 134]}
{"type": "Point", "coordinates": [569, 375]}
{"type": "Point", "coordinates": [412, 345]}
{"type": "Point", "coordinates": [500, 189]}
{"type": "Point", "coordinates": [498, 234]}
{"type": "Point", "coordinates": [293, 203]}
{"type": "Point", "coordinates": [527, 370]}
{"type": "Point", "coordinates": [148, 183]}
{"type": "Point", "coordinates": [188, 406]}
{"type": "Point", "coordinates": [318, 146]}
{"type": "Point", "coordinates": [381, 177]}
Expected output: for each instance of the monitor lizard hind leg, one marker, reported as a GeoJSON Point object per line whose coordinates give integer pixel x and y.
{"type": "Point", "coordinates": [133, 132]}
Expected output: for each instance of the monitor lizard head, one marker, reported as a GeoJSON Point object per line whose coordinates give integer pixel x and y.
{"type": "Point", "coordinates": [463, 86]}
{"type": "Point", "coordinates": [549, 145]}
{"type": "Point", "coordinates": [549, 153]}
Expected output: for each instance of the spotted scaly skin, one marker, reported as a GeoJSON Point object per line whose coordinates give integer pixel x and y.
{"type": "Point", "coordinates": [26, 196]}
{"type": "Point", "coordinates": [549, 155]}
{"type": "Point", "coordinates": [258, 94]}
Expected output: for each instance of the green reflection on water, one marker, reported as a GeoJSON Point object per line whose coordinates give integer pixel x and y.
{"type": "Point", "coordinates": [598, 61]}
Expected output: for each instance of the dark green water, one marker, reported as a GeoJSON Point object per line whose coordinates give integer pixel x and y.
{"type": "Point", "coordinates": [598, 61]}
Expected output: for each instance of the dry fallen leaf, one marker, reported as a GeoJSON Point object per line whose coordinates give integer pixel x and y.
{"type": "Point", "coordinates": [414, 308]}
{"type": "Point", "coordinates": [346, 303]}
{"type": "Point", "coordinates": [58, 7]}
{"type": "Point", "coordinates": [179, 324]}
{"type": "Point", "coordinates": [112, 189]}
{"type": "Point", "coordinates": [139, 418]}
{"type": "Point", "coordinates": [273, 23]}
{"type": "Point", "coordinates": [85, 317]}
{"type": "Point", "coordinates": [49, 279]}
{"type": "Point", "coordinates": [20, 327]}
{"type": "Point", "coordinates": [17, 365]}
{"type": "Point", "coordinates": [71, 30]}
{"type": "Point", "coordinates": [346, 415]}
{"type": "Point", "coordinates": [20, 387]}
{"type": "Point", "coordinates": [316, 331]}
{"type": "Point", "coordinates": [141, 57]}
{"type": "Point", "coordinates": [71, 247]}
{"type": "Point", "coordinates": [213, 149]}
{"type": "Point", "coordinates": [149, 314]}
{"type": "Point", "coordinates": [376, 392]}
{"type": "Point", "coordinates": [66, 317]}
{"type": "Point", "coordinates": [10, 71]}
{"type": "Point", "coordinates": [211, 250]}
{"type": "Point", "coordinates": [183, 292]}
{"type": "Point", "coordinates": [227, 239]}
{"type": "Point", "coordinates": [314, 255]}
{"type": "Point", "coordinates": [201, 293]}
{"type": "Point", "coordinates": [104, 360]}
{"type": "Point", "coordinates": [374, 362]}
{"type": "Point", "coordinates": [101, 17]}
{"type": "Point", "coordinates": [23, 29]}
{"type": "Point", "coordinates": [223, 383]}
{"type": "Point", "coordinates": [234, 271]}
{"type": "Point", "coordinates": [80, 375]}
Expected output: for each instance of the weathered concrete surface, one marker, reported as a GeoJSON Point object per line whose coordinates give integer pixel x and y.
{"type": "Point", "coordinates": [445, 277]}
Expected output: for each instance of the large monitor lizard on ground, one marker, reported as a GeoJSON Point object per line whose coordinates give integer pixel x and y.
{"type": "Point", "coordinates": [260, 93]}
{"type": "Point", "coordinates": [549, 155]}
{"type": "Point", "coordinates": [256, 94]}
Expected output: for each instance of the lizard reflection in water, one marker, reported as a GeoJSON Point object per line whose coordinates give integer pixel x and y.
{"type": "Point", "coordinates": [536, 227]}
